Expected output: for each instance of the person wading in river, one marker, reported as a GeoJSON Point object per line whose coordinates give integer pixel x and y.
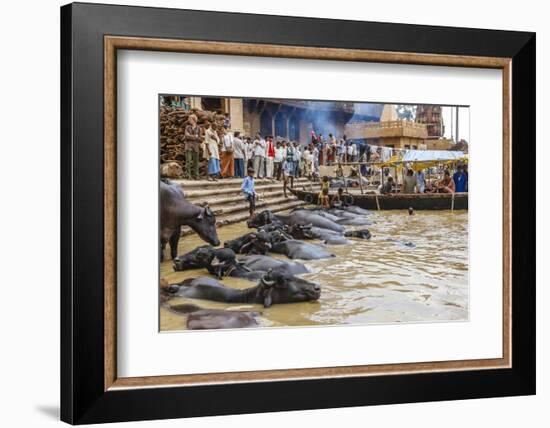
{"type": "Point", "coordinates": [249, 191]}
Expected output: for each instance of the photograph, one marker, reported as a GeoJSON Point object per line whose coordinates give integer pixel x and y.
{"type": "Point", "coordinates": [297, 213]}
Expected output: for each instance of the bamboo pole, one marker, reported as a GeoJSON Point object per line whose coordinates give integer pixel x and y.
{"type": "Point", "coordinates": [360, 178]}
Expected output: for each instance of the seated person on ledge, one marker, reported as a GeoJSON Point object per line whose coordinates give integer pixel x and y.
{"type": "Point", "coordinates": [388, 187]}
{"type": "Point", "coordinates": [338, 199]}
{"type": "Point", "coordinates": [446, 184]}
{"type": "Point", "coordinates": [324, 199]}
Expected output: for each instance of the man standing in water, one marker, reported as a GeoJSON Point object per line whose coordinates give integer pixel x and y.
{"type": "Point", "coordinates": [249, 191]}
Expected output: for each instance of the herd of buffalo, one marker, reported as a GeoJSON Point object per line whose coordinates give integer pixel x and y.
{"type": "Point", "coordinates": [276, 279]}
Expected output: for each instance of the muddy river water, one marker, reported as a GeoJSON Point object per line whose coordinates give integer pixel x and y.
{"type": "Point", "coordinates": [413, 269]}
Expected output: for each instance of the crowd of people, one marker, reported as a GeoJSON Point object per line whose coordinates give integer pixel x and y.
{"type": "Point", "coordinates": [230, 154]}
{"type": "Point", "coordinates": [415, 182]}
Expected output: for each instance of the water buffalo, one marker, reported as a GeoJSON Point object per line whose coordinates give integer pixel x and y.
{"type": "Point", "coordinates": [258, 263]}
{"type": "Point", "coordinates": [211, 319]}
{"type": "Point", "coordinates": [295, 249]}
{"type": "Point", "coordinates": [304, 217]}
{"type": "Point", "coordinates": [250, 243]}
{"type": "Point", "coordinates": [298, 217]}
{"type": "Point", "coordinates": [274, 287]}
{"type": "Point", "coordinates": [363, 234]}
{"type": "Point", "coordinates": [356, 210]}
{"type": "Point", "coordinates": [357, 221]}
{"type": "Point", "coordinates": [264, 218]}
{"type": "Point", "coordinates": [222, 262]}
{"type": "Point", "coordinates": [190, 260]}
{"type": "Point", "coordinates": [176, 211]}
{"type": "Point", "coordinates": [219, 262]}
{"type": "Point", "coordinates": [216, 260]}
{"type": "Point", "coordinates": [329, 237]}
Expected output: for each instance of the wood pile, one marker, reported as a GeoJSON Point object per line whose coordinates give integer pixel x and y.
{"type": "Point", "coordinates": [173, 121]}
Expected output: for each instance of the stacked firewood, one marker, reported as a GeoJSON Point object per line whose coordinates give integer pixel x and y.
{"type": "Point", "coordinates": [173, 121]}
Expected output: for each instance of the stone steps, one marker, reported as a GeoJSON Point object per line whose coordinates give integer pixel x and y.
{"type": "Point", "coordinates": [235, 216]}
{"type": "Point", "coordinates": [217, 203]}
{"type": "Point", "coordinates": [228, 204]}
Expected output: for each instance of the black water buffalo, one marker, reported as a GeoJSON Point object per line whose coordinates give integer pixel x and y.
{"type": "Point", "coordinates": [330, 237]}
{"type": "Point", "coordinates": [176, 211]}
{"type": "Point", "coordinates": [264, 218]}
{"type": "Point", "coordinates": [274, 287]}
{"type": "Point", "coordinates": [356, 210]}
{"type": "Point", "coordinates": [251, 243]}
{"type": "Point", "coordinates": [210, 319]}
{"type": "Point", "coordinates": [363, 234]}
{"type": "Point", "coordinates": [219, 262]}
{"type": "Point", "coordinates": [190, 260]}
{"type": "Point", "coordinates": [357, 221]}
{"type": "Point", "coordinates": [304, 217]}
{"type": "Point", "coordinates": [298, 217]}
{"type": "Point", "coordinates": [343, 217]}
{"type": "Point", "coordinates": [222, 262]}
{"type": "Point", "coordinates": [257, 263]}
{"type": "Point", "coordinates": [295, 249]}
{"type": "Point", "coordinates": [216, 260]}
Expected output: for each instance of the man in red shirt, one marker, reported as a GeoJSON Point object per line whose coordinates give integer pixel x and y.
{"type": "Point", "coordinates": [269, 157]}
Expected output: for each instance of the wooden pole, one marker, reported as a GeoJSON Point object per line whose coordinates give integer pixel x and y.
{"type": "Point", "coordinates": [360, 177]}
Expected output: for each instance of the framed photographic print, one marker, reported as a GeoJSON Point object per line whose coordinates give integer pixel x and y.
{"type": "Point", "coordinates": [318, 216]}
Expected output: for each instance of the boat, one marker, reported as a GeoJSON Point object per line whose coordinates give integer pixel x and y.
{"type": "Point", "coordinates": [396, 201]}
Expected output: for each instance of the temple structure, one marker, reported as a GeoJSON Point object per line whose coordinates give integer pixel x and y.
{"type": "Point", "coordinates": [430, 115]}
{"type": "Point", "coordinates": [390, 131]}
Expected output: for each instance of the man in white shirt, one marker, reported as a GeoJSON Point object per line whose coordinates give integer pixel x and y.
{"type": "Point", "coordinates": [249, 153]}
{"type": "Point", "coordinates": [278, 160]}
{"type": "Point", "coordinates": [350, 152]}
{"type": "Point", "coordinates": [259, 156]}
{"type": "Point", "coordinates": [239, 154]}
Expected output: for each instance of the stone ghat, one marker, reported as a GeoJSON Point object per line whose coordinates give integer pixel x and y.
{"type": "Point", "coordinates": [227, 202]}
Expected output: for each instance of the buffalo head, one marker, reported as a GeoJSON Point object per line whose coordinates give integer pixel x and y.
{"type": "Point", "coordinates": [261, 219]}
{"type": "Point", "coordinates": [299, 231]}
{"type": "Point", "coordinates": [205, 226]}
{"type": "Point", "coordinates": [191, 260]}
{"type": "Point", "coordinates": [280, 287]}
